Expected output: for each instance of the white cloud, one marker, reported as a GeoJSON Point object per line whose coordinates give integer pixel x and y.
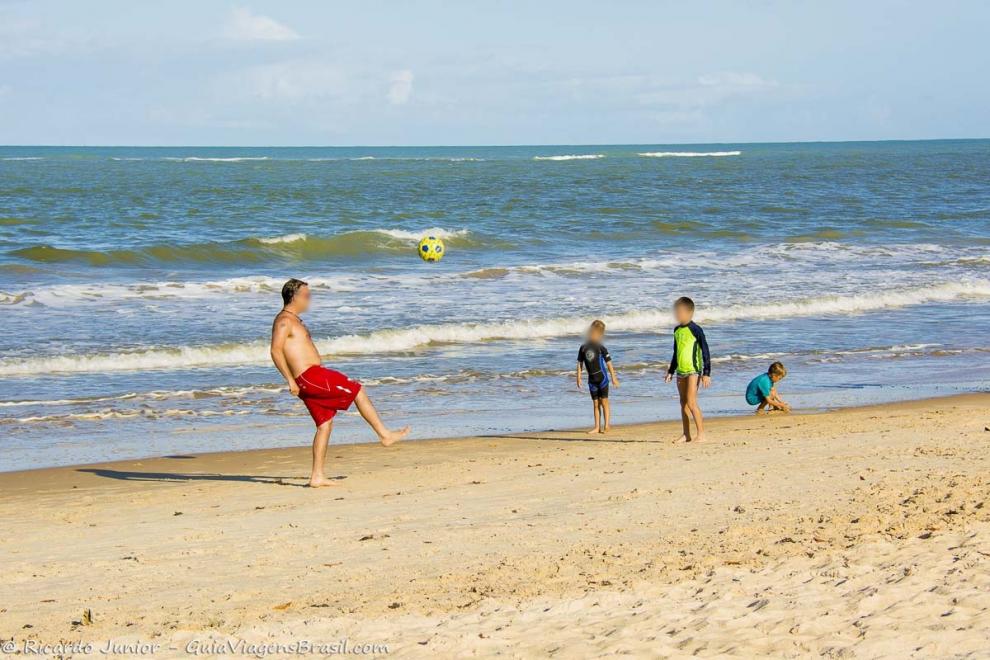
{"type": "Point", "coordinates": [735, 79]}
{"type": "Point", "coordinates": [706, 91]}
{"type": "Point", "coordinates": [28, 37]}
{"type": "Point", "coordinates": [245, 25]}
{"type": "Point", "coordinates": [293, 81]}
{"type": "Point", "coordinates": [400, 88]}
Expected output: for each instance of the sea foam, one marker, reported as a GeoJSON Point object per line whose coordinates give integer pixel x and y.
{"type": "Point", "coordinates": [571, 157]}
{"type": "Point", "coordinates": [688, 154]}
{"type": "Point", "coordinates": [400, 340]}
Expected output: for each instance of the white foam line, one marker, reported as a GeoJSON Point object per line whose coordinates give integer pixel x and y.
{"type": "Point", "coordinates": [408, 339]}
{"type": "Point", "coordinates": [688, 154]}
{"type": "Point", "coordinates": [288, 238]}
{"type": "Point", "coordinates": [195, 159]}
{"type": "Point", "coordinates": [64, 295]}
{"type": "Point", "coordinates": [571, 157]}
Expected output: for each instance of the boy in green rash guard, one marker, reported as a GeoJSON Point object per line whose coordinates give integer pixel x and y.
{"type": "Point", "coordinates": [692, 363]}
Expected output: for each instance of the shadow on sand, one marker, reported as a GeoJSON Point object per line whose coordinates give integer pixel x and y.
{"type": "Point", "coordinates": [196, 476]}
{"type": "Point", "coordinates": [584, 438]}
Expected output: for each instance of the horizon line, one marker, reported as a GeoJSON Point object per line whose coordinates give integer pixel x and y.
{"type": "Point", "coordinates": [480, 146]}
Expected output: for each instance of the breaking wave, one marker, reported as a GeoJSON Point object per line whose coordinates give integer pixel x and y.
{"type": "Point", "coordinates": [571, 157]}
{"type": "Point", "coordinates": [688, 154]}
{"type": "Point", "coordinates": [417, 337]}
{"type": "Point", "coordinates": [251, 250]}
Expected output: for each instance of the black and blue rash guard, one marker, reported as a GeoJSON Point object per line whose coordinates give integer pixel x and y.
{"type": "Point", "coordinates": [594, 356]}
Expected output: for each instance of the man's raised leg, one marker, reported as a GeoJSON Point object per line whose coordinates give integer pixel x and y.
{"type": "Point", "coordinates": [367, 410]}
{"type": "Point", "coordinates": [317, 478]}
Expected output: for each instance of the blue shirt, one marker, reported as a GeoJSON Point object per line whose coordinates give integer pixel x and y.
{"type": "Point", "coordinates": [758, 389]}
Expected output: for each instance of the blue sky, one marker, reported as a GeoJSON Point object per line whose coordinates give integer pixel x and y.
{"type": "Point", "coordinates": [463, 72]}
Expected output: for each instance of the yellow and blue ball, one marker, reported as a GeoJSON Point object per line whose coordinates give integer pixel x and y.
{"type": "Point", "coordinates": [431, 248]}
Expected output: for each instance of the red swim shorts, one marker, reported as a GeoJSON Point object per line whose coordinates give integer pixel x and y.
{"type": "Point", "coordinates": [326, 392]}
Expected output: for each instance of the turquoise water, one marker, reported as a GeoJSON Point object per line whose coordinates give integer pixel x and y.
{"type": "Point", "coordinates": [137, 285]}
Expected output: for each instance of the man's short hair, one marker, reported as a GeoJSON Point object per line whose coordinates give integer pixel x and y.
{"type": "Point", "coordinates": [290, 289]}
{"type": "Point", "coordinates": [777, 369]}
{"type": "Point", "coordinates": [684, 301]}
{"type": "Point", "coordinates": [598, 325]}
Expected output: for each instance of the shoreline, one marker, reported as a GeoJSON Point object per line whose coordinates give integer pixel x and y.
{"type": "Point", "coordinates": [858, 530]}
{"type": "Point", "coordinates": [617, 428]}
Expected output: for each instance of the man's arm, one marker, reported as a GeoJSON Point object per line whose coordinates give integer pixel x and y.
{"type": "Point", "coordinates": [280, 332]}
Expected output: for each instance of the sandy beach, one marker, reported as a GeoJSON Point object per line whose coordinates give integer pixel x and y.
{"type": "Point", "coordinates": [860, 532]}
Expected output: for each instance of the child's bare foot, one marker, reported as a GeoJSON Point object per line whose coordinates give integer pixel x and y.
{"type": "Point", "coordinates": [700, 437]}
{"type": "Point", "coordinates": [320, 482]}
{"type": "Point", "coordinates": [683, 438]}
{"type": "Point", "coordinates": [594, 430]}
{"type": "Point", "coordinates": [392, 437]}
{"type": "Point", "coordinates": [607, 429]}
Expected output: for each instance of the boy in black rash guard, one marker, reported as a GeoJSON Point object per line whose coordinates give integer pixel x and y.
{"type": "Point", "coordinates": [594, 358]}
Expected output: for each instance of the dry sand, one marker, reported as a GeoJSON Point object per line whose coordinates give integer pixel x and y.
{"type": "Point", "coordinates": [859, 533]}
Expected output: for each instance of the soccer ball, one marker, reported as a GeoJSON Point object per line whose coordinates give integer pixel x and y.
{"type": "Point", "coordinates": [431, 248]}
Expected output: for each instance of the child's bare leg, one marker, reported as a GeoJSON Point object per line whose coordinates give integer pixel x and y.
{"type": "Point", "coordinates": [762, 407]}
{"type": "Point", "coordinates": [606, 416]}
{"type": "Point", "coordinates": [317, 478]}
{"type": "Point", "coordinates": [598, 426]}
{"type": "Point", "coordinates": [682, 384]}
{"type": "Point", "coordinates": [693, 407]}
{"type": "Point", "coordinates": [385, 436]}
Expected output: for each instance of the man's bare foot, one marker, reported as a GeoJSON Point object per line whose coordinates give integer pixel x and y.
{"type": "Point", "coordinates": [392, 437]}
{"type": "Point", "coordinates": [683, 438]}
{"type": "Point", "coordinates": [320, 482]}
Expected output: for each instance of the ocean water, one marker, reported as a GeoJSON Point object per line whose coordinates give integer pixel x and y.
{"type": "Point", "coordinates": [137, 285]}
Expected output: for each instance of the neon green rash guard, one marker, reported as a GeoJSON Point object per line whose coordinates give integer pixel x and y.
{"type": "Point", "coordinates": [691, 355]}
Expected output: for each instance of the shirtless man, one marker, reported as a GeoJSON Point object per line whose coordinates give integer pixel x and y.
{"type": "Point", "coordinates": [324, 391]}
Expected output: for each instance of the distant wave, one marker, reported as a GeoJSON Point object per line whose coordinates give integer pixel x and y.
{"type": "Point", "coordinates": [451, 159]}
{"type": "Point", "coordinates": [60, 295]}
{"type": "Point", "coordinates": [416, 337]}
{"type": "Point", "coordinates": [688, 154]}
{"type": "Point", "coordinates": [193, 159]}
{"type": "Point", "coordinates": [252, 250]}
{"type": "Point", "coordinates": [277, 159]}
{"type": "Point", "coordinates": [439, 232]}
{"type": "Point", "coordinates": [110, 413]}
{"type": "Point", "coordinates": [797, 255]}
{"type": "Point", "coordinates": [22, 158]}
{"type": "Point", "coordinates": [154, 395]}
{"type": "Point", "coordinates": [571, 157]}
{"type": "Point", "coordinates": [288, 238]}
{"type": "Point", "coordinates": [190, 159]}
